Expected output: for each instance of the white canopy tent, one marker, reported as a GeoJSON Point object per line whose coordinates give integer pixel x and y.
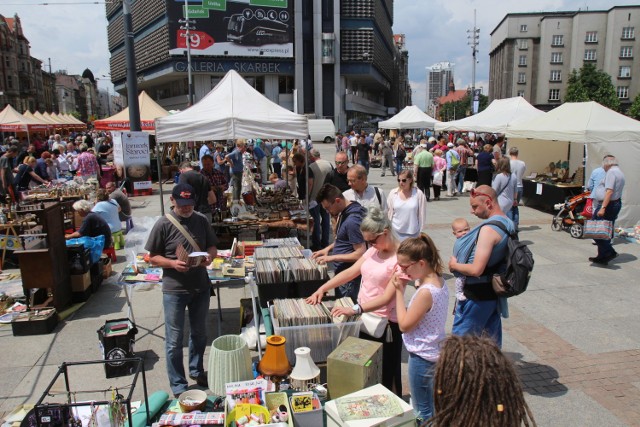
{"type": "Point", "coordinates": [496, 118]}
{"type": "Point", "coordinates": [411, 117]}
{"type": "Point", "coordinates": [602, 130]}
{"type": "Point", "coordinates": [233, 109]}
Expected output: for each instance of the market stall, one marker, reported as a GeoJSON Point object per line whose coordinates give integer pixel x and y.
{"type": "Point", "coordinates": [149, 111]}
{"type": "Point", "coordinates": [411, 117]}
{"type": "Point", "coordinates": [599, 130]}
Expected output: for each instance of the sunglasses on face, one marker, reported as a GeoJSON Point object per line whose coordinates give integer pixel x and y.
{"type": "Point", "coordinates": [475, 193]}
{"type": "Point", "coordinates": [340, 163]}
{"type": "Point", "coordinates": [403, 179]}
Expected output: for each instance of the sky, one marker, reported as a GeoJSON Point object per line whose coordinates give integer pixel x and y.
{"type": "Point", "coordinates": [73, 34]}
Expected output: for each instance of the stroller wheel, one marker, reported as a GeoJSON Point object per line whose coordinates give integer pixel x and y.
{"type": "Point", "coordinates": [556, 225]}
{"type": "Point", "coordinates": [576, 230]}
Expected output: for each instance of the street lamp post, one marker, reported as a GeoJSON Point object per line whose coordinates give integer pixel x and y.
{"type": "Point", "coordinates": [187, 35]}
{"type": "Point", "coordinates": [132, 81]}
{"type": "Point", "coordinates": [473, 41]}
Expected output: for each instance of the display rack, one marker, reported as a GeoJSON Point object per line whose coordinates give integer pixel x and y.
{"type": "Point", "coordinates": [42, 410]}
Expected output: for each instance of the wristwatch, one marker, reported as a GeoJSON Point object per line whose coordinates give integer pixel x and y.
{"type": "Point", "coordinates": [357, 308]}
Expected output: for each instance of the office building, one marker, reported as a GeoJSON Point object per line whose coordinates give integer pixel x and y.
{"type": "Point", "coordinates": [324, 58]}
{"type": "Point", "coordinates": [533, 54]}
{"type": "Point", "coordinates": [439, 84]}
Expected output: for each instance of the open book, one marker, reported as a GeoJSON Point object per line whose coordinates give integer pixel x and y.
{"type": "Point", "coordinates": [192, 259]}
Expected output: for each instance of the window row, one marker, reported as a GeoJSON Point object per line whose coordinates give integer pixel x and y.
{"type": "Point", "coordinates": [554, 94]}
{"type": "Point", "coordinates": [628, 33]}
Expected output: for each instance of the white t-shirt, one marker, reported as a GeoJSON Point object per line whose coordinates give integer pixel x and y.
{"type": "Point", "coordinates": [518, 168]}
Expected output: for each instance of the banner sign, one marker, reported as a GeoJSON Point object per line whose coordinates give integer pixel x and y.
{"type": "Point", "coordinates": [245, 28]}
{"type": "Point", "coordinates": [131, 153]}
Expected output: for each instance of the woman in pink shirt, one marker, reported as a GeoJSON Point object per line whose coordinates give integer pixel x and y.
{"type": "Point", "coordinates": [377, 293]}
{"type": "Point", "coordinates": [439, 170]}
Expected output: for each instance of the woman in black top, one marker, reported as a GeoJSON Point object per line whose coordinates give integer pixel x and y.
{"type": "Point", "coordinates": [25, 174]}
{"type": "Point", "coordinates": [485, 165]}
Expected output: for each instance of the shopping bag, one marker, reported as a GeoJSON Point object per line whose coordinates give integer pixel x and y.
{"type": "Point", "coordinates": [587, 212]}
{"type": "Point", "coordinates": [598, 229]}
{"type": "Point", "coordinates": [437, 179]}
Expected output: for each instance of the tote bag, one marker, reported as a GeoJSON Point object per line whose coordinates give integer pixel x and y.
{"type": "Point", "coordinates": [598, 229]}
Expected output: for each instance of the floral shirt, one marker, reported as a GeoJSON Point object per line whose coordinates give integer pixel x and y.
{"type": "Point", "coordinates": [87, 165]}
{"type": "Point", "coordinates": [219, 184]}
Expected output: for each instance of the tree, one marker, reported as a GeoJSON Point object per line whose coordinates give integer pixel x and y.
{"type": "Point", "coordinates": [634, 110]}
{"type": "Point", "coordinates": [591, 84]}
{"type": "Point", "coordinates": [460, 109]}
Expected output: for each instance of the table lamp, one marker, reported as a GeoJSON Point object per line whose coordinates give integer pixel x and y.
{"type": "Point", "coordinates": [275, 363]}
{"type": "Point", "coordinates": [305, 372]}
{"type": "Point", "coordinates": [229, 361]}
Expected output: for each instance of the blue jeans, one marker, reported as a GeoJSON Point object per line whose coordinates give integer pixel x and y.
{"type": "Point", "coordinates": [321, 227]}
{"type": "Point", "coordinates": [174, 314]}
{"type": "Point", "coordinates": [460, 177]}
{"type": "Point", "coordinates": [364, 163]}
{"type": "Point", "coordinates": [421, 386]}
{"type": "Point", "coordinates": [610, 213]}
{"type": "Point", "coordinates": [478, 318]}
{"type": "Point", "coordinates": [514, 213]}
{"type": "Point", "coordinates": [399, 164]}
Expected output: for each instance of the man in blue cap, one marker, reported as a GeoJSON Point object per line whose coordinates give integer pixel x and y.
{"type": "Point", "coordinates": [183, 287]}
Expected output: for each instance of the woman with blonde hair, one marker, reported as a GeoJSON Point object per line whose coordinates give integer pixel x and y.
{"type": "Point", "coordinates": [377, 293]}
{"type": "Point", "coordinates": [26, 174]}
{"type": "Point", "coordinates": [407, 207]}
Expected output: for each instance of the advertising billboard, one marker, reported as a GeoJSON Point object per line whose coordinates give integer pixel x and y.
{"type": "Point", "coordinates": [245, 28]}
{"type": "Point", "coordinates": [131, 154]}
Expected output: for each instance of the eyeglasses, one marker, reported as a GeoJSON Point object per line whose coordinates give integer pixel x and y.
{"type": "Point", "coordinates": [374, 241]}
{"type": "Point", "coordinates": [340, 163]}
{"type": "Point", "coordinates": [403, 179]}
{"type": "Point", "coordinates": [475, 193]}
{"type": "Point", "coordinates": [405, 267]}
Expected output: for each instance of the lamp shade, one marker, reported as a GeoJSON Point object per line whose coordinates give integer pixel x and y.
{"type": "Point", "coordinates": [275, 363]}
{"type": "Point", "coordinates": [305, 368]}
{"type": "Point", "coordinates": [229, 361]}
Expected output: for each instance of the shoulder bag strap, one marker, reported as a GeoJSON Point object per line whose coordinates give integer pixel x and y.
{"type": "Point", "coordinates": [184, 232]}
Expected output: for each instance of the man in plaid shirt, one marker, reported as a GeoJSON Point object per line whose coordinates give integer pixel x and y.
{"type": "Point", "coordinates": [465, 152]}
{"type": "Point", "coordinates": [88, 166]}
{"type": "Point", "coordinates": [217, 180]}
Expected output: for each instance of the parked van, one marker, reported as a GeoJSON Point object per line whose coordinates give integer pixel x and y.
{"type": "Point", "coordinates": [322, 130]}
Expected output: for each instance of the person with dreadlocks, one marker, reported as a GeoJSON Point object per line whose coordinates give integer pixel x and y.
{"type": "Point", "coordinates": [422, 323]}
{"type": "Point", "coordinates": [476, 385]}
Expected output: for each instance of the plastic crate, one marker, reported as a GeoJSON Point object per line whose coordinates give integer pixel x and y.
{"type": "Point", "coordinates": [270, 291]}
{"type": "Point", "coordinates": [321, 339]}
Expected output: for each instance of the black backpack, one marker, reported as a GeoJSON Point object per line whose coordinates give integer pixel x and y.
{"type": "Point", "coordinates": [519, 265]}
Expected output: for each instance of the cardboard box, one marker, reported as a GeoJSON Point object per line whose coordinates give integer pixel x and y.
{"type": "Point", "coordinates": [309, 418]}
{"type": "Point", "coordinates": [107, 266]}
{"type": "Point", "coordinates": [36, 322]}
{"type": "Point", "coordinates": [354, 365]}
{"type": "Point", "coordinates": [80, 282]}
{"type": "Point", "coordinates": [403, 417]}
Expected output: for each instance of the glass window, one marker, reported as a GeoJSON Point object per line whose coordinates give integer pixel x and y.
{"type": "Point", "coordinates": [520, 93]}
{"type": "Point", "coordinates": [625, 71]}
{"type": "Point", "coordinates": [523, 28]}
{"type": "Point", "coordinates": [623, 92]}
{"type": "Point", "coordinates": [591, 37]}
{"type": "Point", "coordinates": [626, 52]}
{"type": "Point", "coordinates": [554, 94]}
{"type": "Point", "coordinates": [522, 78]}
{"type": "Point", "coordinates": [523, 44]}
{"type": "Point", "coordinates": [558, 40]}
{"type": "Point", "coordinates": [556, 57]}
{"type": "Point", "coordinates": [522, 60]}
{"type": "Point", "coordinates": [285, 84]}
{"type": "Point", "coordinates": [628, 33]}
{"type": "Point", "coordinates": [10, 82]}
{"type": "Point", "coordinates": [556, 75]}
{"type": "Point", "coordinates": [590, 55]}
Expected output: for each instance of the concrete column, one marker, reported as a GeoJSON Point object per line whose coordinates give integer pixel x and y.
{"type": "Point", "coordinates": [340, 118]}
{"type": "Point", "coordinates": [317, 57]}
{"type": "Point", "coordinates": [299, 69]}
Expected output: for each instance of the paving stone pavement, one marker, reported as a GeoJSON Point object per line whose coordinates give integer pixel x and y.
{"type": "Point", "coordinates": [573, 336]}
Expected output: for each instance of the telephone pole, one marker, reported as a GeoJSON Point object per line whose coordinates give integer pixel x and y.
{"type": "Point", "coordinates": [473, 40]}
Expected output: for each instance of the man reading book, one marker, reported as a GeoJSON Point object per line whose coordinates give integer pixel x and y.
{"type": "Point", "coordinates": [183, 286]}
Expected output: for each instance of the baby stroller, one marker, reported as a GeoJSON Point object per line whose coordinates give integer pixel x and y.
{"type": "Point", "coordinates": [570, 215]}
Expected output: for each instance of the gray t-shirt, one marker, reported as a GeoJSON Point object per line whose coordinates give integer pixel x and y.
{"type": "Point", "coordinates": [164, 239]}
{"type": "Point", "coordinates": [123, 202]}
{"type": "Point", "coordinates": [518, 168]}
{"type": "Point", "coordinates": [505, 186]}
{"type": "Point", "coordinates": [613, 180]}
{"type": "Point", "coordinates": [6, 169]}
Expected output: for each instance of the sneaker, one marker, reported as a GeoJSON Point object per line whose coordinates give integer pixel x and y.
{"type": "Point", "coordinates": [201, 380]}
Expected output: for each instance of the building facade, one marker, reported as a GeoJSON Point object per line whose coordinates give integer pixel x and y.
{"type": "Point", "coordinates": [533, 54]}
{"type": "Point", "coordinates": [439, 84]}
{"type": "Point", "coordinates": [323, 58]}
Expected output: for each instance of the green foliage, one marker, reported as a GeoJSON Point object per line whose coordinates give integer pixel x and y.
{"type": "Point", "coordinates": [591, 84]}
{"type": "Point", "coordinates": [460, 109]}
{"type": "Point", "coordinates": [634, 110]}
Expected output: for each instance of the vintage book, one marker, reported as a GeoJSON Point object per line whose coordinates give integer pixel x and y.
{"type": "Point", "coordinates": [192, 259]}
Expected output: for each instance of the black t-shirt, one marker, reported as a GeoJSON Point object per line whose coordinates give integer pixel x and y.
{"type": "Point", "coordinates": [202, 187]}
{"type": "Point", "coordinates": [339, 180]}
{"type": "Point", "coordinates": [164, 239]}
{"type": "Point", "coordinates": [93, 225]}
{"type": "Point", "coordinates": [363, 152]}
{"type": "Point", "coordinates": [302, 182]}
{"type": "Point", "coordinates": [23, 177]}
{"type": "Point", "coordinates": [7, 170]}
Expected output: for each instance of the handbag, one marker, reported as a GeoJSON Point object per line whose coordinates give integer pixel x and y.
{"type": "Point", "coordinates": [600, 229]}
{"type": "Point", "coordinates": [437, 179]}
{"type": "Point", "coordinates": [587, 212]}
{"type": "Point", "coordinates": [373, 325]}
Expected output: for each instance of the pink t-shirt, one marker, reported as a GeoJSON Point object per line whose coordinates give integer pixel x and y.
{"type": "Point", "coordinates": [376, 273]}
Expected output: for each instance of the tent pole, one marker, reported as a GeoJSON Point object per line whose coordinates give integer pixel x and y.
{"type": "Point", "coordinates": [306, 190]}
{"type": "Point", "coordinates": [158, 155]}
